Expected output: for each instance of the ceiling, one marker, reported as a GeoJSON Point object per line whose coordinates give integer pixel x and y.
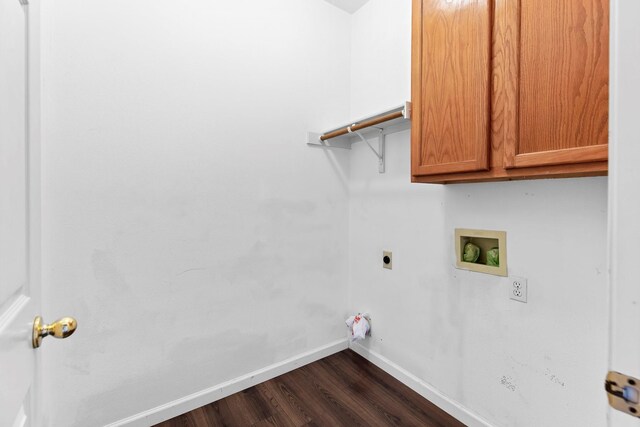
{"type": "Point", "coordinates": [349, 6]}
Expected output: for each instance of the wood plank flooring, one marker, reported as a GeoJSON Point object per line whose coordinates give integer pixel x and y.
{"type": "Point", "coordinates": [341, 390]}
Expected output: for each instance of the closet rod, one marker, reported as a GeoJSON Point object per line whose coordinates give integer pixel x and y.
{"type": "Point", "coordinates": [365, 124]}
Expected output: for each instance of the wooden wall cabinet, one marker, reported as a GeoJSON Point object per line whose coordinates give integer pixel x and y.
{"type": "Point", "coordinates": [509, 89]}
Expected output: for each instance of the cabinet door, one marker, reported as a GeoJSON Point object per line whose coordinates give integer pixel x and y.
{"type": "Point", "coordinates": [451, 59]}
{"type": "Point", "coordinates": [561, 96]}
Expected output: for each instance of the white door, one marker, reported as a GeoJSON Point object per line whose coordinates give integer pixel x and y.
{"type": "Point", "coordinates": [624, 195]}
{"type": "Point", "coordinates": [19, 234]}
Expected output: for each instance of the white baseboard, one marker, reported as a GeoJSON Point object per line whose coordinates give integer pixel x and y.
{"type": "Point", "coordinates": [204, 397]}
{"type": "Point", "coordinates": [426, 390]}
{"type": "Point", "coordinates": [220, 391]}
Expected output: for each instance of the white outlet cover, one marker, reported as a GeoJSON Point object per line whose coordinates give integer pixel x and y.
{"type": "Point", "coordinates": [518, 288]}
{"type": "Point", "coordinates": [388, 265]}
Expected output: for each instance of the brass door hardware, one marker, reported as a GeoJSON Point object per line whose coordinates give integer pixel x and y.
{"type": "Point", "coordinates": [623, 393]}
{"type": "Point", "coordinates": [61, 328]}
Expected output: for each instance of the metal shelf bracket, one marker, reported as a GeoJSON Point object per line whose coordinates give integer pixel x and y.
{"type": "Point", "coordinates": [378, 125]}
{"type": "Point", "coordinates": [380, 153]}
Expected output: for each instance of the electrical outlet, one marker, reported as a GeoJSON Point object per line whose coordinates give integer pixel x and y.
{"type": "Point", "coordinates": [518, 288]}
{"type": "Point", "coordinates": [387, 259]}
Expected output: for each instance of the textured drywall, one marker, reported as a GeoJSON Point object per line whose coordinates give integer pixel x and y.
{"type": "Point", "coordinates": [186, 225]}
{"type": "Point", "coordinates": [513, 364]}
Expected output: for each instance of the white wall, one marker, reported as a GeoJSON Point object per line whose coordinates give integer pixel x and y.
{"type": "Point", "coordinates": [186, 225]}
{"type": "Point", "coordinates": [189, 229]}
{"type": "Point", "coordinates": [512, 364]}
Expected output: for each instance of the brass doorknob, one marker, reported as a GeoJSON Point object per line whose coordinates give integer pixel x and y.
{"type": "Point", "coordinates": [61, 328]}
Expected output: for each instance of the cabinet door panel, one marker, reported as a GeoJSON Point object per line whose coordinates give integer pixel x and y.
{"type": "Point", "coordinates": [563, 92]}
{"type": "Point", "coordinates": [451, 59]}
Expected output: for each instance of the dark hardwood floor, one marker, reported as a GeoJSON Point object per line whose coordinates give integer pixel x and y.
{"type": "Point", "coordinates": [341, 390]}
